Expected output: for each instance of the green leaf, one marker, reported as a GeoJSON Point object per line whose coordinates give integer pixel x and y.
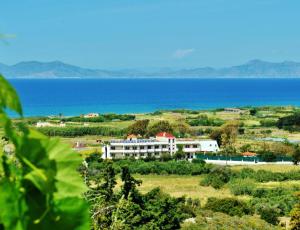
{"type": "Point", "coordinates": [8, 97]}
{"type": "Point", "coordinates": [72, 213]}
{"type": "Point", "coordinates": [69, 181]}
{"type": "Point", "coordinates": [12, 206]}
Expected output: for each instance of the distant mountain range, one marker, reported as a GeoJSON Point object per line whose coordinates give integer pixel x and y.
{"type": "Point", "coordinates": [57, 69]}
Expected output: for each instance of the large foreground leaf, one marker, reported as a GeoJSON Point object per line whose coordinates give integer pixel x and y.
{"type": "Point", "coordinates": [8, 97]}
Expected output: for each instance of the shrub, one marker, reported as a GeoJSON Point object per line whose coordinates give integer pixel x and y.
{"type": "Point", "coordinates": [217, 177]}
{"type": "Point", "coordinates": [207, 220]}
{"type": "Point", "coordinates": [269, 214]}
{"type": "Point", "coordinates": [230, 206]}
{"type": "Point", "coordinates": [242, 186]}
{"type": "Point", "coordinates": [268, 156]}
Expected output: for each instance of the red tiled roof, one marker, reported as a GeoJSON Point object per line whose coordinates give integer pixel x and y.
{"type": "Point", "coordinates": [165, 134]}
{"type": "Point", "coordinates": [248, 154]}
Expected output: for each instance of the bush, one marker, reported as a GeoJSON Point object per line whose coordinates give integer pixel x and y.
{"type": "Point", "coordinates": [242, 186]}
{"type": "Point", "coordinates": [204, 120]}
{"type": "Point", "coordinates": [268, 156]}
{"type": "Point", "coordinates": [281, 198]}
{"type": "Point", "coordinates": [268, 122]}
{"type": "Point", "coordinates": [291, 123]}
{"type": "Point", "coordinates": [208, 220]}
{"type": "Point", "coordinates": [217, 177]}
{"type": "Point", "coordinates": [269, 214]}
{"type": "Point", "coordinates": [230, 206]}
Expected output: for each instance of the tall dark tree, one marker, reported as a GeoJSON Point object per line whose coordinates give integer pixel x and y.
{"type": "Point", "coordinates": [129, 183]}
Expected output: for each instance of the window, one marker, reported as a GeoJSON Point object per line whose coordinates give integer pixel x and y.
{"type": "Point", "coordinates": [142, 154]}
{"type": "Point", "coordinates": [113, 155]}
{"type": "Point", "coordinates": [156, 154]}
{"type": "Point", "coordinates": [112, 147]}
{"type": "Point", "coordinates": [134, 147]}
{"type": "Point", "coordinates": [126, 154]}
{"type": "Point", "coordinates": [127, 147]}
{"type": "Point", "coordinates": [187, 146]}
{"type": "Point", "coordinates": [164, 146]}
{"type": "Point", "coordinates": [149, 147]}
{"type": "Point", "coordinates": [142, 147]}
{"type": "Point", "coordinates": [156, 146]}
{"type": "Point", "coordinates": [195, 146]}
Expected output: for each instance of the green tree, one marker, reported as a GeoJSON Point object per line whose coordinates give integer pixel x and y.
{"type": "Point", "coordinates": [296, 155]}
{"type": "Point", "coordinates": [138, 128]}
{"type": "Point", "coordinates": [179, 153]}
{"type": "Point", "coordinates": [129, 183]}
{"type": "Point", "coordinates": [253, 111]}
{"type": "Point", "coordinates": [161, 126]}
{"type": "Point", "coordinates": [39, 186]}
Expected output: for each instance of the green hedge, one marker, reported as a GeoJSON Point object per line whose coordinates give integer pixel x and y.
{"type": "Point", "coordinates": [81, 131]}
{"type": "Point", "coordinates": [101, 118]}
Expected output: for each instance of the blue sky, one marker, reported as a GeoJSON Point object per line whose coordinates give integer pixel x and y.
{"type": "Point", "coordinates": [117, 34]}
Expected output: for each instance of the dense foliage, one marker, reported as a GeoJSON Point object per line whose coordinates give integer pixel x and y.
{"type": "Point", "coordinates": [81, 131]}
{"type": "Point", "coordinates": [295, 215]}
{"type": "Point", "coordinates": [156, 167]}
{"type": "Point", "coordinates": [230, 206]}
{"type": "Point", "coordinates": [161, 126]}
{"type": "Point", "coordinates": [204, 120]}
{"type": "Point", "coordinates": [217, 177]}
{"type": "Point", "coordinates": [138, 128]}
{"type": "Point", "coordinates": [127, 208]}
{"type": "Point", "coordinates": [221, 175]}
{"type": "Point", "coordinates": [207, 220]}
{"type": "Point", "coordinates": [291, 122]}
{"type": "Point", "coordinates": [100, 118]}
{"type": "Point", "coordinates": [39, 185]}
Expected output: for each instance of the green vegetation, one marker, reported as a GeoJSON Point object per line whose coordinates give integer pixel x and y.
{"type": "Point", "coordinates": [204, 120]}
{"type": "Point", "coordinates": [81, 131]}
{"type": "Point", "coordinates": [100, 118]}
{"type": "Point", "coordinates": [39, 185]}
{"type": "Point", "coordinates": [208, 220]}
{"type": "Point", "coordinates": [291, 122]}
{"type": "Point", "coordinates": [230, 206]}
{"type": "Point", "coordinates": [157, 167]}
{"type": "Point", "coordinates": [128, 208]}
{"type": "Point", "coordinates": [40, 188]}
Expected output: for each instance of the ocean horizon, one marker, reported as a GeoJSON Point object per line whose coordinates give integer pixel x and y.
{"type": "Point", "coordinates": [70, 97]}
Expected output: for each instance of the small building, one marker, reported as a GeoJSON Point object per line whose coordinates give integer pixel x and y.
{"type": "Point", "coordinates": [249, 154]}
{"type": "Point", "coordinates": [91, 115]}
{"type": "Point", "coordinates": [156, 146]}
{"type": "Point", "coordinates": [234, 110]}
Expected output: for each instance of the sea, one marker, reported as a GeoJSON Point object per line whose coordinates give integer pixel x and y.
{"type": "Point", "coordinates": [44, 97]}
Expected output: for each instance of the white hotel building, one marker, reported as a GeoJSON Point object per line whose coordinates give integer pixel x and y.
{"type": "Point", "coordinates": [163, 143]}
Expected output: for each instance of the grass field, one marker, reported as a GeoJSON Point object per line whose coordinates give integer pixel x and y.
{"type": "Point", "coordinates": [177, 186]}
{"type": "Point", "coordinates": [270, 167]}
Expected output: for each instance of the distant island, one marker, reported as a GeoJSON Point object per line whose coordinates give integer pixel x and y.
{"type": "Point", "coordinates": [57, 69]}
